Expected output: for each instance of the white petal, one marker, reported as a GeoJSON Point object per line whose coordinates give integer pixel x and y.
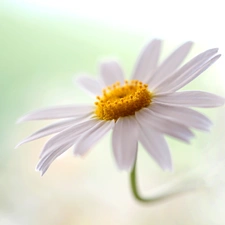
{"type": "Point", "coordinates": [182, 115]}
{"type": "Point", "coordinates": [111, 72]}
{"type": "Point", "coordinates": [51, 129]}
{"type": "Point", "coordinates": [87, 140]}
{"type": "Point", "coordinates": [70, 134]}
{"type": "Point", "coordinates": [187, 73]}
{"type": "Point", "coordinates": [60, 143]}
{"type": "Point", "coordinates": [59, 112]}
{"type": "Point", "coordinates": [47, 160]}
{"type": "Point", "coordinates": [191, 99]}
{"type": "Point", "coordinates": [147, 61]}
{"type": "Point", "coordinates": [187, 78]}
{"type": "Point", "coordinates": [90, 85]}
{"type": "Point", "coordinates": [124, 142]}
{"type": "Point", "coordinates": [156, 146]}
{"type": "Point", "coordinates": [171, 63]}
{"type": "Point", "coordinates": [148, 118]}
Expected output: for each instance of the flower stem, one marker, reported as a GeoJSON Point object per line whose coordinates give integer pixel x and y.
{"type": "Point", "coordinates": [173, 189]}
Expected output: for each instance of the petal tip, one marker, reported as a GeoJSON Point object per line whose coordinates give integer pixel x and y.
{"type": "Point", "coordinates": [168, 167]}
{"type": "Point", "coordinates": [20, 120]}
{"type": "Point", "coordinates": [37, 169]}
{"type": "Point", "coordinates": [20, 143]}
{"type": "Point", "coordinates": [17, 146]}
{"type": "Point", "coordinates": [125, 168]}
{"type": "Point", "coordinates": [41, 171]}
{"type": "Point", "coordinates": [222, 101]}
{"type": "Point", "coordinates": [190, 43]}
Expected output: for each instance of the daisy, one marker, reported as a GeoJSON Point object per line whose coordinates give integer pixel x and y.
{"type": "Point", "coordinates": [142, 109]}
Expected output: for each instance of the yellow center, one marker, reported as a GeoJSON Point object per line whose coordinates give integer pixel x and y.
{"type": "Point", "coordinates": [120, 101]}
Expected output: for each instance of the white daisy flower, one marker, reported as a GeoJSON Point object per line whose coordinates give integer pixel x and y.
{"type": "Point", "coordinates": [143, 109]}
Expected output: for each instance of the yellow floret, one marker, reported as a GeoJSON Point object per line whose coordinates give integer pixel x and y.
{"type": "Point", "coordinates": [120, 101]}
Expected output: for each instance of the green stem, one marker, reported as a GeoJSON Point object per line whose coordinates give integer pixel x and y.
{"type": "Point", "coordinates": [172, 190]}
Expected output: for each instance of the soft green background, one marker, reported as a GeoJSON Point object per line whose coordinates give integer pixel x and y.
{"type": "Point", "coordinates": [40, 55]}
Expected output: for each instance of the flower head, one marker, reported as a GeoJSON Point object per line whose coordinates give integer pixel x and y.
{"type": "Point", "coordinates": [143, 109]}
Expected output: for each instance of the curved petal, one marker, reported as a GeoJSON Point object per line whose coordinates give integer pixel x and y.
{"type": "Point", "coordinates": [68, 135]}
{"type": "Point", "coordinates": [187, 73]}
{"type": "Point", "coordinates": [111, 72]}
{"type": "Point", "coordinates": [59, 112]}
{"type": "Point", "coordinates": [187, 117]}
{"type": "Point", "coordinates": [171, 128]}
{"type": "Point", "coordinates": [51, 129]}
{"type": "Point", "coordinates": [50, 154]}
{"type": "Point", "coordinates": [171, 63]}
{"type": "Point", "coordinates": [185, 79]}
{"type": "Point", "coordinates": [124, 142]}
{"type": "Point", "coordinates": [147, 61]}
{"type": "Point", "coordinates": [191, 99]}
{"type": "Point", "coordinates": [155, 144]}
{"type": "Point", "coordinates": [47, 159]}
{"type": "Point", "coordinates": [90, 85]}
{"type": "Point", "coordinates": [60, 143]}
{"type": "Point", "coordinates": [87, 140]}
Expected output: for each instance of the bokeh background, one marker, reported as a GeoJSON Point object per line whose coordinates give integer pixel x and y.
{"type": "Point", "coordinates": [43, 46]}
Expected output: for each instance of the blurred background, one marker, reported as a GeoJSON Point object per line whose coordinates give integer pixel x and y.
{"type": "Point", "coordinates": [44, 44]}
